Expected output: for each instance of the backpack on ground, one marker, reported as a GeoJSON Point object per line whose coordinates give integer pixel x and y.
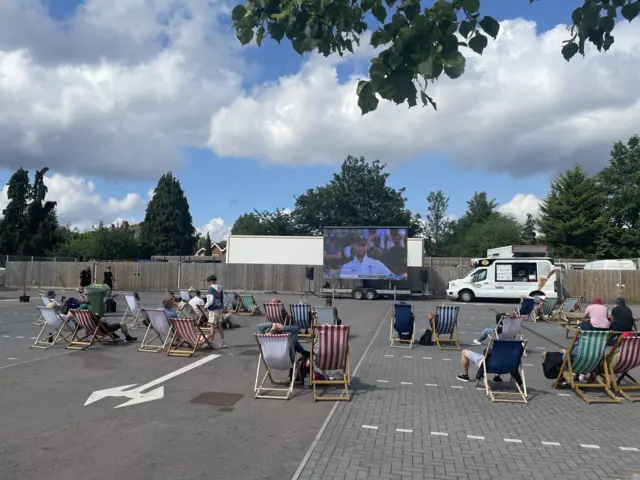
{"type": "Point", "coordinates": [425, 339]}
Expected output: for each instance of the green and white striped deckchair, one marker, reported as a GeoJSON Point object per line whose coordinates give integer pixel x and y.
{"type": "Point", "coordinates": [590, 348]}
{"type": "Point", "coordinates": [546, 308]}
{"type": "Point", "coordinates": [247, 306]}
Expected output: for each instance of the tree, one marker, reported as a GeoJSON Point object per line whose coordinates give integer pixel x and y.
{"type": "Point", "coordinates": [206, 244]}
{"type": "Point", "coordinates": [572, 215]}
{"type": "Point", "coordinates": [168, 227]}
{"type": "Point", "coordinates": [358, 195]}
{"type": "Point", "coordinates": [14, 226]}
{"type": "Point", "coordinates": [529, 236]}
{"type": "Point", "coordinates": [41, 217]}
{"type": "Point", "coordinates": [102, 243]}
{"type": "Point", "coordinates": [248, 224]}
{"type": "Point", "coordinates": [620, 185]}
{"type": "Point", "coordinates": [421, 43]}
{"type": "Point", "coordinates": [497, 230]}
{"type": "Point", "coordinates": [479, 210]}
{"type": "Point", "coordinates": [437, 225]}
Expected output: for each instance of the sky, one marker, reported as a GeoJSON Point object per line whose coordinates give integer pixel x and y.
{"type": "Point", "coordinates": [111, 95]}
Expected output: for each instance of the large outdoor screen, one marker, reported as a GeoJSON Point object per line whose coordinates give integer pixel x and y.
{"type": "Point", "coordinates": [365, 253]}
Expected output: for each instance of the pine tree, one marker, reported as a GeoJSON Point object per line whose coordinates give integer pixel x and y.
{"type": "Point", "coordinates": [529, 236]}
{"type": "Point", "coordinates": [14, 224]}
{"type": "Point", "coordinates": [572, 216]}
{"type": "Point", "coordinates": [41, 217]}
{"type": "Point", "coordinates": [207, 245]}
{"type": "Point", "coordinates": [168, 227]}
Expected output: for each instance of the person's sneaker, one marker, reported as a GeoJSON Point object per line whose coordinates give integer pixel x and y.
{"type": "Point", "coordinates": [130, 339]}
{"type": "Point", "coordinates": [497, 379]}
{"type": "Point", "coordinates": [116, 336]}
{"type": "Point", "coordinates": [223, 345]}
{"type": "Point", "coordinates": [462, 377]}
{"type": "Point", "coordinates": [477, 342]}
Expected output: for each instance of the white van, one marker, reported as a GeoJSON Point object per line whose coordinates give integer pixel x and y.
{"type": "Point", "coordinates": [505, 279]}
{"type": "Point", "coordinates": [611, 265]}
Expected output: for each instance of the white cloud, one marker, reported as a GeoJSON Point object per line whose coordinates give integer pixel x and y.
{"type": "Point", "coordinates": [520, 205]}
{"type": "Point", "coordinates": [216, 229]}
{"type": "Point", "coordinates": [117, 90]}
{"type": "Point", "coordinates": [79, 205]}
{"type": "Point", "coordinates": [519, 108]}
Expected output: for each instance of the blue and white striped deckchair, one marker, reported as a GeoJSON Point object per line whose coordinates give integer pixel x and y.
{"type": "Point", "coordinates": [324, 315]}
{"type": "Point", "coordinates": [589, 360]}
{"type": "Point", "coordinates": [402, 329]}
{"type": "Point", "coordinates": [301, 317]}
{"type": "Point", "coordinates": [230, 300]}
{"type": "Point", "coordinates": [446, 323]}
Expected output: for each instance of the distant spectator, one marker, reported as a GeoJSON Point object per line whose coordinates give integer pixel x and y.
{"type": "Point", "coordinates": [596, 313]}
{"type": "Point", "coordinates": [622, 317]}
{"type": "Point", "coordinates": [108, 278]}
{"type": "Point", "coordinates": [85, 277]}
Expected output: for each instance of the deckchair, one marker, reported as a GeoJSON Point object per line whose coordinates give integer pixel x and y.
{"type": "Point", "coordinates": [402, 325]}
{"type": "Point", "coordinates": [446, 323]}
{"type": "Point", "coordinates": [159, 330]}
{"type": "Point", "coordinates": [589, 360]}
{"type": "Point", "coordinates": [512, 330]}
{"type": "Point", "coordinates": [45, 303]}
{"type": "Point", "coordinates": [230, 301]}
{"type": "Point", "coordinates": [133, 314]}
{"type": "Point", "coordinates": [526, 307]}
{"type": "Point", "coordinates": [203, 314]}
{"type": "Point", "coordinates": [188, 337]}
{"type": "Point", "coordinates": [332, 354]}
{"type": "Point", "coordinates": [184, 295]}
{"type": "Point", "coordinates": [504, 357]}
{"type": "Point", "coordinates": [61, 330]}
{"type": "Point", "coordinates": [275, 354]}
{"type": "Point", "coordinates": [92, 330]}
{"type": "Point", "coordinates": [324, 315]}
{"type": "Point", "coordinates": [301, 317]}
{"type": "Point", "coordinates": [274, 312]}
{"type": "Point", "coordinates": [571, 304]}
{"type": "Point", "coordinates": [247, 305]}
{"type": "Point", "coordinates": [627, 351]}
{"type": "Point", "coordinates": [546, 308]}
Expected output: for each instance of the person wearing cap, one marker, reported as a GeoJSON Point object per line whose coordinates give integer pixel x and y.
{"type": "Point", "coordinates": [596, 313]}
{"type": "Point", "coordinates": [362, 264]}
{"type": "Point", "coordinates": [621, 317]}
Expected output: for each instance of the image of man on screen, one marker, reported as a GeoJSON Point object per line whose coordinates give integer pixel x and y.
{"type": "Point", "coordinates": [362, 264]}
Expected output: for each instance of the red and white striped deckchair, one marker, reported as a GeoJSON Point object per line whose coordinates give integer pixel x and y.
{"type": "Point", "coordinates": [274, 313]}
{"type": "Point", "coordinates": [159, 329]}
{"type": "Point", "coordinates": [331, 353]}
{"type": "Point", "coordinates": [627, 351]}
{"type": "Point", "coordinates": [188, 337]}
{"type": "Point", "coordinates": [276, 353]}
{"type": "Point", "coordinates": [93, 331]}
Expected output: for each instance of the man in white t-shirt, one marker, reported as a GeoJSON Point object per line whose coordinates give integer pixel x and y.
{"type": "Point", "coordinates": [196, 300]}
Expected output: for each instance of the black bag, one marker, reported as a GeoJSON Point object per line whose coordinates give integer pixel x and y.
{"type": "Point", "coordinates": [110, 305]}
{"type": "Point", "coordinates": [425, 339]}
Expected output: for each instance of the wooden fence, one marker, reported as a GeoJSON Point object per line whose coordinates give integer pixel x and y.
{"type": "Point", "coordinates": [150, 276]}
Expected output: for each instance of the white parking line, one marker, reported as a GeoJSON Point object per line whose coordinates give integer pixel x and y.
{"type": "Point", "coordinates": [629, 449]}
{"type": "Point", "coordinates": [440, 434]}
{"type": "Point", "coordinates": [404, 430]}
{"type": "Point", "coordinates": [551, 444]}
{"type": "Point", "coordinates": [475, 437]}
{"type": "Point", "coordinates": [388, 355]}
{"type": "Point", "coordinates": [512, 440]}
{"type": "Point", "coordinates": [370, 427]}
{"type": "Point", "coordinates": [430, 384]}
{"type": "Point", "coordinates": [564, 394]}
{"type": "Point", "coordinates": [406, 383]}
{"type": "Point", "coordinates": [540, 348]}
{"type": "Point", "coordinates": [408, 356]}
{"type": "Point", "coordinates": [6, 336]}
{"type": "Point", "coordinates": [20, 337]}
{"type": "Point", "coordinates": [427, 358]}
{"type": "Point", "coordinates": [446, 359]}
{"type": "Point", "coordinates": [12, 358]}
{"type": "Point", "coordinates": [586, 445]}
{"type": "Point", "coordinates": [456, 386]}
{"type": "Point", "coordinates": [528, 364]}
{"type": "Point", "coordinates": [382, 381]}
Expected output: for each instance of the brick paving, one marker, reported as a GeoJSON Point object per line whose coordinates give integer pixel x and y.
{"type": "Point", "coordinates": [410, 418]}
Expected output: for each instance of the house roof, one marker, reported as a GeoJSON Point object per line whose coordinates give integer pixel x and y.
{"type": "Point", "coordinates": [222, 249]}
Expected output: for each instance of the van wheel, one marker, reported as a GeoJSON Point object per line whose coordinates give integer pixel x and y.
{"type": "Point", "coordinates": [370, 295]}
{"type": "Point", "coordinates": [536, 295]}
{"type": "Point", "coordinates": [357, 294]}
{"type": "Point", "coordinates": [466, 296]}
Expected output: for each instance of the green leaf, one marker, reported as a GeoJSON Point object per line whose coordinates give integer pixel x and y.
{"type": "Point", "coordinates": [569, 50]}
{"type": "Point", "coordinates": [478, 43]}
{"type": "Point", "coordinates": [490, 26]}
{"type": "Point", "coordinates": [608, 41]}
{"type": "Point", "coordinates": [395, 61]}
{"type": "Point", "coordinates": [471, 6]}
{"type": "Point", "coordinates": [427, 100]}
{"type": "Point", "coordinates": [466, 28]}
{"type": "Point", "coordinates": [300, 44]}
{"type": "Point", "coordinates": [260, 35]}
{"type": "Point", "coordinates": [576, 16]}
{"type": "Point", "coordinates": [619, 3]}
{"type": "Point", "coordinates": [276, 31]}
{"type": "Point", "coordinates": [411, 11]}
{"type": "Point", "coordinates": [426, 68]}
{"type": "Point", "coordinates": [630, 10]}
{"type": "Point", "coordinates": [379, 12]}
{"type": "Point", "coordinates": [607, 23]}
{"type": "Point", "coordinates": [367, 100]}
{"type": "Point", "coordinates": [379, 37]}
{"type": "Point", "coordinates": [238, 13]}
{"type": "Point", "coordinates": [377, 70]}
{"type": "Point", "coordinates": [455, 67]}
{"type": "Point", "coordinates": [245, 35]}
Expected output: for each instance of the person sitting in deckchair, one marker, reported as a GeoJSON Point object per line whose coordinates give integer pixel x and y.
{"type": "Point", "coordinates": [329, 303]}
{"type": "Point", "coordinates": [552, 361]}
{"type": "Point", "coordinates": [168, 306]}
{"type": "Point", "coordinates": [487, 332]}
{"type": "Point", "coordinates": [291, 330]}
{"type": "Point", "coordinates": [285, 314]}
{"type": "Point", "coordinates": [112, 328]}
{"type": "Point", "coordinates": [469, 356]}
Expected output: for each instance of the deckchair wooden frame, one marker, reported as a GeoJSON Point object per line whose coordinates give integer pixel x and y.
{"type": "Point", "coordinates": [182, 347]}
{"type": "Point", "coordinates": [58, 336]}
{"type": "Point", "coordinates": [147, 345]}
{"type": "Point", "coordinates": [85, 321]}
{"type": "Point", "coordinates": [259, 387]}
{"type": "Point", "coordinates": [496, 396]}
{"type": "Point", "coordinates": [631, 359]}
{"type": "Point", "coordinates": [345, 381]}
{"type": "Point", "coordinates": [524, 341]}
{"type": "Point", "coordinates": [298, 319]}
{"type": "Point", "coordinates": [134, 321]}
{"type": "Point", "coordinates": [247, 302]}
{"type": "Point", "coordinates": [568, 374]}
{"type": "Point", "coordinates": [445, 343]}
{"type": "Point", "coordinates": [323, 308]}
{"type": "Point", "coordinates": [394, 336]}
{"type": "Point", "coordinates": [204, 315]}
{"type": "Point", "coordinates": [274, 312]}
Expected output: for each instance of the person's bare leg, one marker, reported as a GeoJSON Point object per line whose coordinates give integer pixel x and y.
{"type": "Point", "coordinates": [464, 362]}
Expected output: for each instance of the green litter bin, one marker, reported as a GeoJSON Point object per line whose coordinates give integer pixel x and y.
{"type": "Point", "coordinates": [96, 294]}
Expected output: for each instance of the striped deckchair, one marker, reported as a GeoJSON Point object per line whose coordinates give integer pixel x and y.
{"type": "Point", "coordinates": [93, 331]}
{"type": "Point", "coordinates": [275, 354]}
{"type": "Point", "coordinates": [624, 357]}
{"type": "Point", "coordinates": [159, 330]}
{"type": "Point", "coordinates": [589, 360]}
{"type": "Point", "coordinates": [571, 304]}
{"type": "Point", "coordinates": [301, 317]}
{"type": "Point", "coordinates": [324, 315]}
{"type": "Point", "coordinates": [525, 307]}
{"type": "Point", "coordinates": [512, 330]}
{"type": "Point", "coordinates": [275, 313]}
{"type": "Point", "coordinates": [133, 315]}
{"type": "Point", "coordinates": [60, 329]}
{"type": "Point", "coordinates": [188, 337]}
{"type": "Point", "coordinates": [331, 353]}
{"type": "Point", "coordinates": [230, 300]}
{"type": "Point", "coordinates": [446, 323]}
{"type": "Point", "coordinates": [545, 309]}
{"type": "Point", "coordinates": [247, 306]}
{"type": "Point", "coordinates": [402, 325]}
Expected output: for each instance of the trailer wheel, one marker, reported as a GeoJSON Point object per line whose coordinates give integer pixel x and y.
{"type": "Point", "coordinates": [357, 294]}
{"type": "Point", "coordinates": [371, 294]}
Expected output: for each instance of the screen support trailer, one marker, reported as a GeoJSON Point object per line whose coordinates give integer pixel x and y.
{"type": "Point", "coordinates": [365, 293]}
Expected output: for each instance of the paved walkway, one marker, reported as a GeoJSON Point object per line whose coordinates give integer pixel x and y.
{"type": "Point", "coordinates": [410, 419]}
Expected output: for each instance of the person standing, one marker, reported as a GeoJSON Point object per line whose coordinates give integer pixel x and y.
{"type": "Point", "coordinates": [85, 277]}
{"type": "Point", "coordinates": [215, 305]}
{"type": "Point", "coordinates": [108, 278]}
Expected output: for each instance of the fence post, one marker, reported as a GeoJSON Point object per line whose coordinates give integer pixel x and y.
{"type": "Point", "coordinates": [179, 274]}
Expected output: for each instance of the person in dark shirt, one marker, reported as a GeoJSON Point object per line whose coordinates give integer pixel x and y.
{"type": "Point", "coordinates": [108, 278]}
{"type": "Point", "coordinates": [621, 317]}
{"type": "Point", "coordinates": [85, 277]}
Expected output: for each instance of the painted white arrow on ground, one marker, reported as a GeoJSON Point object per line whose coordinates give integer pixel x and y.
{"type": "Point", "coordinates": [137, 395]}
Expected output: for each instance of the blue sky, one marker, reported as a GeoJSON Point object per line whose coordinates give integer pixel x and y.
{"type": "Point", "coordinates": [249, 183]}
